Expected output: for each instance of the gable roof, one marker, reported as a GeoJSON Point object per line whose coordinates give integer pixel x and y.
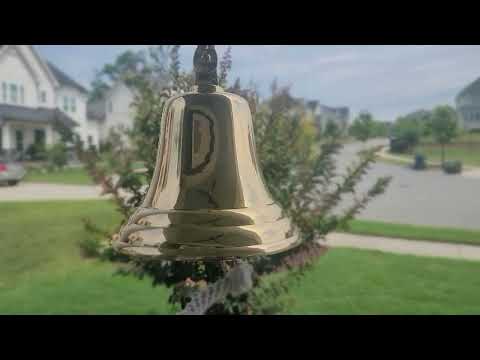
{"type": "Point", "coordinates": [65, 80]}
{"type": "Point", "coordinates": [22, 113]}
{"type": "Point", "coordinates": [473, 87]}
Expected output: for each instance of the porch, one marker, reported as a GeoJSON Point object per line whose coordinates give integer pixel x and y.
{"type": "Point", "coordinates": [18, 137]}
{"type": "Point", "coordinates": [23, 128]}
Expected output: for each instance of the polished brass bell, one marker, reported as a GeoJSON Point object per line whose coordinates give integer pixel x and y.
{"type": "Point", "coordinates": [207, 199]}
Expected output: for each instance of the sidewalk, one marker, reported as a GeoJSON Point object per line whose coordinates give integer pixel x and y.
{"type": "Point", "coordinates": [43, 192]}
{"type": "Point", "coordinates": [401, 246]}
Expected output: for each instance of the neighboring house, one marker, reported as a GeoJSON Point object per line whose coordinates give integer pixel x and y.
{"type": "Point", "coordinates": [325, 114]}
{"type": "Point", "coordinates": [468, 106]}
{"type": "Point", "coordinates": [114, 110]}
{"type": "Point", "coordinates": [35, 96]}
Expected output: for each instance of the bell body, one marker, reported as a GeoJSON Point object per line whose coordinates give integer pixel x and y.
{"type": "Point", "coordinates": [207, 198]}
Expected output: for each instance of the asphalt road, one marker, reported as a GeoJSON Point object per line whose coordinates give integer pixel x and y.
{"type": "Point", "coordinates": [414, 197]}
{"type": "Point", "coordinates": [420, 197]}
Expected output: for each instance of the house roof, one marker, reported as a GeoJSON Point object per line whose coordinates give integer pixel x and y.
{"type": "Point", "coordinates": [64, 79]}
{"type": "Point", "coordinates": [22, 113]}
{"type": "Point", "coordinates": [473, 87]}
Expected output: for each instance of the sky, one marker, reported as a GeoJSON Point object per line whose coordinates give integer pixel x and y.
{"type": "Point", "coordinates": [387, 80]}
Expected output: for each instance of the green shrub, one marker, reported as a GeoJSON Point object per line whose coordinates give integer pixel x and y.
{"type": "Point", "coordinates": [452, 167]}
{"type": "Point", "coordinates": [420, 162]}
{"type": "Point", "coordinates": [36, 152]}
{"type": "Point", "coordinates": [57, 156]}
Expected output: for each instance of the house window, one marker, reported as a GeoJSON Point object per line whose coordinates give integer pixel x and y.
{"type": "Point", "coordinates": [19, 140]}
{"type": "Point", "coordinates": [4, 91]}
{"type": "Point", "coordinates": [73, 105]}
{"type": "Point", "coordinates": [65, 104]}
{"type": "Point", "coordinates": [90, 141]}
{"type": "Point", "coordinates": [13, 93]}
{"type": "Point", "coordinates": [43, 97]}
{"type": "Point", "coordinates": [22, 95]}
{"type": "Point", "coordinates": [110, 107]}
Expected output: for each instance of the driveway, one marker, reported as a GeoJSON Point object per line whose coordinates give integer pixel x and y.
{"type": "Point", "coordinates": [36, 191]}
{"type": "Point", "coordinates": [420, 197]}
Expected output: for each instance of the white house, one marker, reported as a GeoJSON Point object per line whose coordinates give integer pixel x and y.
{"type": "Point", "coordinates": [324, 114]}
{"type": "Point", "coordinates": [34, 96]}
{"type": "Point", "coordinates": [468, 106]}
{"type": "Point", "coordinates": [113, 111]}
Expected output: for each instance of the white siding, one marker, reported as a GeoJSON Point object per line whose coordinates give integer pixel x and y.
{"type": "Point", "coordinates": [15, 70]}
{"type": "Point", "coordinates": [85, 128]}
{"type": "Point", "coordinates": [119, 112]}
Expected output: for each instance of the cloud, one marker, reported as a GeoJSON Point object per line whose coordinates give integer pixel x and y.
{"type": "Point", "coordinates": [387, 80]}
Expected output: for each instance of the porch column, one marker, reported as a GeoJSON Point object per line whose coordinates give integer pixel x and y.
{"type": "Point", "coordinates": [49, 136]}
{"type": "Point", "coordinates": [7, 142]}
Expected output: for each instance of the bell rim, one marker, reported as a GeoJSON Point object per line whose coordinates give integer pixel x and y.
{"type": "Point", "coordinates": [201, 253]}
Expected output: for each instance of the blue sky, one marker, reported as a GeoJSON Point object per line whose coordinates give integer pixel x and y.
{"type": "Point", "coordinates": [388, 80]}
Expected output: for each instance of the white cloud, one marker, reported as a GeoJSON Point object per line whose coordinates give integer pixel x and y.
{"type": "Point", "coordinates": [387, 80]}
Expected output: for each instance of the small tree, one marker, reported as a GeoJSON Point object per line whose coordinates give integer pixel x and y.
{"type": "Point", "coordinates": [407, 133]}
{"type": "Point", "coordinates": [444, 126]}
{"type": "Point", "coordinates": [300, 171]}
{"type": "Point", "coordinates": [363, 127]}
{"type": "Point", "coordinates": [57, 156]}
{"type": "Point", "coordinates": [332, 130]}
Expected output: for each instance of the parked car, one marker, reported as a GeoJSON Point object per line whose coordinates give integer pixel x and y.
{"type": "Point", "coordinates": [11, 171]}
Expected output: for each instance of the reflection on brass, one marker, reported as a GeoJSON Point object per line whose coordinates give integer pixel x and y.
{"type": "Point", "coordinates": [207, 198]}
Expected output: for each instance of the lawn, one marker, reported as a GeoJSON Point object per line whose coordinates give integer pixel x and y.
{"type": "Point", "coordinates": [465, 148]}
{"type": "Point", "coordinates": [42, 272]}
{"type": "Point", "coordinates": [67, 176]}
{"type": "Point", "coordinates": [469, 154]}
{"type": "Point", "coordinates": [414, 232]}
{"type": "Point", "coordinates": [347, 282]}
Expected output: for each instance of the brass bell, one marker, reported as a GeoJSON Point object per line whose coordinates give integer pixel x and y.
{"type": "Point", "coordinates": [207, 199]}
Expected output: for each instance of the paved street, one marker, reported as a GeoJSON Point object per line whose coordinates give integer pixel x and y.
{"type": "Point", "coordinates": [414, 197]}
{"type": "Point", "coordinates": [421, 197]}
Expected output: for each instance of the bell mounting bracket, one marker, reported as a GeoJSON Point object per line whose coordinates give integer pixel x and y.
{"type": "Point", "coordinates": [205, 63]}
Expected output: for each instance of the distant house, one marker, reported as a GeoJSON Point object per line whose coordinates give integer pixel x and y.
{"type": "Point", "coordinates": [35, 96]}
{"type": "Point", "coordinates": [114, 110]}
{"type": "Point", "coordinates": [324, 114]}
{"type": "Point", "coordinates": [468, 106]}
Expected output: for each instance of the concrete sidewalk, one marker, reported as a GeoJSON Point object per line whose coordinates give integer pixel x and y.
{"type": "Point", "coordinates": [401, 246]}
{"type": "Point", "coordinates": [42, 192]}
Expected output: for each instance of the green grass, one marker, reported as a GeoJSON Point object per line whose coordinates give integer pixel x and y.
{"type": "Point", "coordinates": [42, 272]}
{"type": "Point", "coordinates": [67, 176]}
{"type": "Point", "coordinates": [414, 232]}
{"type": "Point", "coordinates": [465, 148]}
{"type": "Point", "coordinates": [349, 281]}
{"type": "Point", "coordinates": [469, 154]}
